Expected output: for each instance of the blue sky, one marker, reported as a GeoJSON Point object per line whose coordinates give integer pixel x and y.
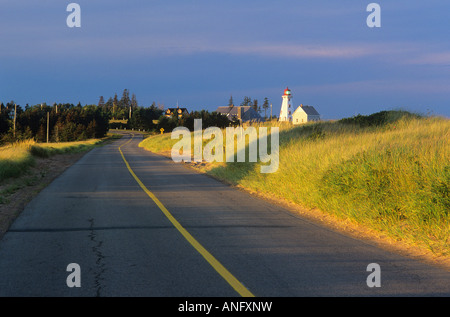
{"type": "Point", "coordinates": [198, 53]}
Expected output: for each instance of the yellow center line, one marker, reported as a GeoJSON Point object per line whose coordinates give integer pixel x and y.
{"type": "Point", "coordinates": [233, 281]}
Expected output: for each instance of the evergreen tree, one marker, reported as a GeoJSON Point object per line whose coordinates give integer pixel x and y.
{"type": "Point", "coordinates": [231, 102]}
{"type": "Point", "coordinates": [70, 123]}
{"type": "Point", "coordinates": [134, 103]}
{"type": "Point", "coordinates": [101, 102]}
{"type": "Point", "coordinates": [115, 105]}
{"type": "Point", "coordinates": [109, 106]}
{"type": "Point", "coordinates": [41, 135]}
{"type": "Point", "coordinates": [125, 100]}
{"type": "Point", "coordinates": [247, 101]}
{"type": "Point", "coordinates": [4, 121]}
{"type": "Point", "coordinates": [255, 105]}
{"type": "Point", "coordinates": [265, 106]}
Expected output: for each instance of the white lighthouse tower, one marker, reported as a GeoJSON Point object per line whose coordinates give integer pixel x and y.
{"type": "Point", "coordinates": [286, 111]}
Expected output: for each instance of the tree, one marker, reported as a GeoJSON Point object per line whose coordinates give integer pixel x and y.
{"type": "Point", "coordinates": [143, 118]}
{"type": "Point", "coordinates": [231, 102]}
{"type": "Point", "coordinates": [168, 124]}
{"type": "Point", "coordinates": [247, 101]}
{"type": "Point", "coordinates": [4, 121]}
{"type": "Point", "coordinates": [69, 124]}
{"type": "Point", "coordinates": [41, 135]}
{"type": "Point", "coordinates": [109, 106]}
{"type": "Point", "coordinates": [101, 102]}
{"type": "Point", "coordinates": [125, 100]}
{"type": "Point", "coordinates": [255, 105]}
{"type": "Point", "coordinates": [265, 106]}
{"type": "Point", "coordinates": [115, 105]}
{"type": "Point", "coordinates": [134, 103]}
{"type": "Point", "coordinates": [91, 129]}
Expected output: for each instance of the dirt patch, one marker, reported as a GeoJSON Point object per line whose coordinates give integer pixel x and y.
{"type": "Point", "coordinates": [15, 193]}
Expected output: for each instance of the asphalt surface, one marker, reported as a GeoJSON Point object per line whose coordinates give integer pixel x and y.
{"type": "Point", "coordinates": [96, 215]}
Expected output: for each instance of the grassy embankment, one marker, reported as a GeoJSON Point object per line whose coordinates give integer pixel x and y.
{"type": "Point", "coordinates": [392, 177]}
{"type": "Point", "coordinates": [17, 158]}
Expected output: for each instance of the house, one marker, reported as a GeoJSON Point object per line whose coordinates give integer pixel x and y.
{"type": "Point", "coordinates": [171, 112]}
{"type": "Point", "coordinates": [304, 114]}
{"type": "Point", "coordinates": [240, 113]}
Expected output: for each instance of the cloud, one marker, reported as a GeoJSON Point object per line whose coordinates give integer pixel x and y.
{"type": "Point", "coordinates": [401, 86]}
{"type": "Point", "coordinates": [297, 51]}
{"type": "Point", "coordinates": [153, 45]}
{"type": "Point", "coordinates": [439, 59]}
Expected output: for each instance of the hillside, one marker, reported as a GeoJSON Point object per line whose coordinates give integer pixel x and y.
{"type": "Point", "coordinates": [389, 172]}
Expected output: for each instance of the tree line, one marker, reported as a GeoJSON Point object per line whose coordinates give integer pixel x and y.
{"type": "Point", "coordinates": [65, 122]}
{"type": "Point", "coordinates": [56, 123]}
{"type": "Point", "coordinates": [153, 118]}
{"type": "Point", "coordinates": [254, 103]}
{"type": "Point", "coordinates": [209, 119]}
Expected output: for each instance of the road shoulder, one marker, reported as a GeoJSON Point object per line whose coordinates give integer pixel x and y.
{"type": "Point", "coordinates": [18, 192]}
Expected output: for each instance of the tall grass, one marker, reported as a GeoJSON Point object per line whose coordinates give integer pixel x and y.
{"type": "Point", "coordinates": [16, 158]}
{"type": "Point", "coordinates": [163, 143]}
{"type": "Point", "coordinates": [158, 143]}
{"type": "Point", "coordinates": [393, 177]}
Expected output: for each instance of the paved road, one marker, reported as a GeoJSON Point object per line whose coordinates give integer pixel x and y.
{"type": "Point", "coordinates": [97, 215]}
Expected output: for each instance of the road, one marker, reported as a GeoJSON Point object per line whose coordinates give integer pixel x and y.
{"type": "Point", "coordinates": [198, 238]}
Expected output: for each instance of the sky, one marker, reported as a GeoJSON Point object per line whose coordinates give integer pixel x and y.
{"type": "Point", "coordinates": [198, 53]}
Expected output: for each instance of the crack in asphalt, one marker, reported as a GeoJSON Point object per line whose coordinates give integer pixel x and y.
{"type": "Point", "coordinates": [96, 248]}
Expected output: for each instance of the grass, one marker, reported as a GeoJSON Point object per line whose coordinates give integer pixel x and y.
{"type": "Point", "coordinates": [15, 159]}
{"type": "Point", "coordinates": [392, 176]}
{"type": "Point", "coordinates": [49, 149]}
{"type": "Point", "coordinates": [158, 143]}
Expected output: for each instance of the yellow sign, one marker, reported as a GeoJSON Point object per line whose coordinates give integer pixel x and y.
{"type": "Point", "coordinates": [162, 130]}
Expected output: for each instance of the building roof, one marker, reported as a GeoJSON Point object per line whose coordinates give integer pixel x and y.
{"type": "Point", "coordinates": [248, 113]}
{"type": "Point", "coordinates": [227, 110]}
{"type": "Point", "coordinates": [309, 110]}
{"type": "Point", "coordinates": [176, 109]}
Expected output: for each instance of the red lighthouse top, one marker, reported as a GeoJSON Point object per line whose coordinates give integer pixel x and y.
{"type": "Point", "coordinates": [287, 92]}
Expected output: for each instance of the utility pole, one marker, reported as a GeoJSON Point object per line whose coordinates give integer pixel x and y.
{"type": "Point", "coordinates": [15, 115]}
{"type": "Point", "coordinates": [270, 112]}
{"type": "Point", "coordinates": [48, 119]}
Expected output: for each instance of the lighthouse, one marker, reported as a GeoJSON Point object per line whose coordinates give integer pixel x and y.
{"type": "Point", "coordinates": [285, 112]}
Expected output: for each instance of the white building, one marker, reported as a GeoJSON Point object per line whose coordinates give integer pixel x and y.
{"type": "Point", "coordinates": [304, 114]}
{"type": "Point", "coordinates": [286, 111]}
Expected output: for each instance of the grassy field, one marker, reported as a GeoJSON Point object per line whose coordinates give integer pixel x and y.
{"type": "Point", "coordinates": [392, 176]}
{"type": "Point", "coordinates": [16, 158]}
